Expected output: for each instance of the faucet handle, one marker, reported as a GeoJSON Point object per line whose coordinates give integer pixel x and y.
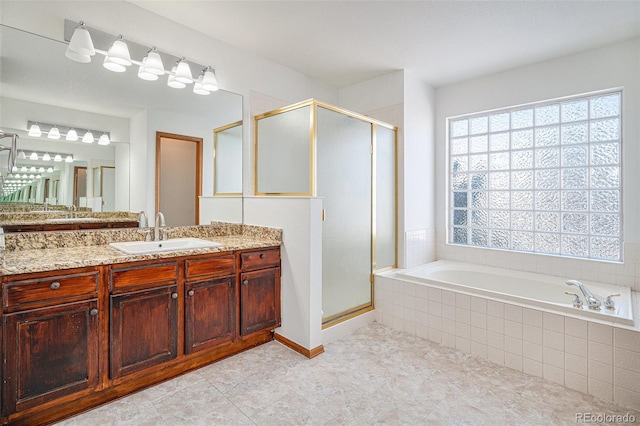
{"type": "Point", "coordinates": [609, 303]}
{"type": "Point", "coordinates": [577, 302]}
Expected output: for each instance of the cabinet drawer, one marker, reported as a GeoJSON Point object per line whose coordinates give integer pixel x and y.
{"type": "Point", "coordinates": [209, 267]}
{"type": "Point", "coordinates": [260, 259]}
{"type": "Point", "coordinates": [135, 276]}
{"type": "Point", "coordinates": [56, 288]}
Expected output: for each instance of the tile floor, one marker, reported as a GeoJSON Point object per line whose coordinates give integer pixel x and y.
{"type": "Point", "coordinates": [374, 376]}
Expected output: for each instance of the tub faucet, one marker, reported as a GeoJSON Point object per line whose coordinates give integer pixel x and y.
{"type": "Point", "coordinates": [143, 225]}
{"type": "Point", "coordinates": [160, 223]}
{"type": "Point", "coordinates": [592, 301]}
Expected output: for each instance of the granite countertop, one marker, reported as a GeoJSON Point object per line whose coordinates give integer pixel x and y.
{"type": "Point", "coordinates": [28, 257]}
{"type": "Point", "coordinates": [65, 220]}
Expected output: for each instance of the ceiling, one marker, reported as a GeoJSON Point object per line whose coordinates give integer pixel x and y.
{"type": "Point", "coordinates": [442, 42]}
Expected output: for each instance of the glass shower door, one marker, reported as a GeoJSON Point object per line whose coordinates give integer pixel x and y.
{"type": "Point", "coordinates": [344, 181]}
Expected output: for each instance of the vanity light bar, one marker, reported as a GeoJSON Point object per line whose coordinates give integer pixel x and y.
{"type": "Point", "coordinates": [54, 131]}
{"type": "Point", "coordinates": [117, 57]}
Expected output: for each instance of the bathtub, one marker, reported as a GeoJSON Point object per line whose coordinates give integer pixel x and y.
{"type": "Point", "coordinates": [525, 288]}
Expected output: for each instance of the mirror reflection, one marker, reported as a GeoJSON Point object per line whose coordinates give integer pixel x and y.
{"type": "Point", "coordinates": [40, 85]}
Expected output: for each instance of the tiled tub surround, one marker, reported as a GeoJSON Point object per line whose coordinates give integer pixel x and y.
{"type": "Point", "coordinates": [590, 356]}
{"type": "Point", "coordinates": [45, 251]}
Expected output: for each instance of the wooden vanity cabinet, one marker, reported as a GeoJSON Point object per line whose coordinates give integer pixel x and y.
{"type": "Point", "coordinates": [259, 291]}
{"type": "Point", "coordinates": [143, 312]}
{"type": "Point", "coordinates": [210, 302]}
{"type": "Point", "coordinates": [50, 339]}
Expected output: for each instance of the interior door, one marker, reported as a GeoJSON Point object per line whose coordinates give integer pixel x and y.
{"type": "Point", "coordinates": [178, 178]}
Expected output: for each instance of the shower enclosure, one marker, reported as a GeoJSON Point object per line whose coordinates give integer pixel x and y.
{"type": "Point", "coordinates": [349, 160]}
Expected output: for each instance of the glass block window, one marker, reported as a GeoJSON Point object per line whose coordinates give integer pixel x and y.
{"type": "Point", "coordinates": [542, 178]}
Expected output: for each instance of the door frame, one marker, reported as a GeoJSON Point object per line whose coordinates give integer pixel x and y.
{"type": "Point", "coordinates": [199, 143]}
{"type": "Point", "coordinates": [75, 183]}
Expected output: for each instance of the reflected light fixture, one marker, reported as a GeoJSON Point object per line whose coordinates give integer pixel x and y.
{"type": "Point", "coordinates": [34, 130]}
{"type": "Point", "coordinates": [41, 170]}
{"type": "Point", "coordinates": [88, 137]}
{"type": "Point", "coordinates": [72, 135]}
{"type": "Point", "coordinates": [50, 170]}
{"type": "Point", "coordinates": [23, 168]}
{"type": "Point", "coordinates": [46, 157]}
{"type": "Point", "coordinates": [22, 155]}
{"type": "Point", "coordinates": [54, 133]}
{"type": "Point", "coordinates": [33, 156]}
{"type": "Point", "coordinates": [80, 48]}
{"type": "Point", "coordinates": [69, 159]}
{"type": "Point", "coordinates": [183, 72]}
{"type": "Point", "coordinates": [144, 74]}
{"type": "Point", "coordinates": [209, 80]}
{"type": "Point", "coordinates": [32, 169]}
{"type": "Point", "coordinates": [197, 87]}
{"type": "Point", "coordinates": [104, 140]}
{"type": "Point", "coordinates": [57, 158]}
{"type": "Point", "coordinates": [172, 82]}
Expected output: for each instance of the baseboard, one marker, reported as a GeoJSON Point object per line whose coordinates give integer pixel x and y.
{"type": "Point", "coordinates": [309, 353]}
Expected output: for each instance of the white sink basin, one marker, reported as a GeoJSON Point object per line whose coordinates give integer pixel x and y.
{"type": "Point", "coordinates": [175, 244]}
{"type": "Point", "coordinates": [72, 219]}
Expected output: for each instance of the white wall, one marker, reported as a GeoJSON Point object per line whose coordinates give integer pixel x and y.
{"type": "Point", "coordinates": [612, 66]}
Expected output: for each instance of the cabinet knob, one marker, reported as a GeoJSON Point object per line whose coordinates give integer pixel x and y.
{"type": "Point", "coordinates": [191, 292]}
{"type": "Point", "coordinates": [174, 295]}
{"type": "Point", "coordinates": [93, 312]}
{"type": "Point", "coordinates": [261, 255]}
{"type": "Point", "coordinates": [54, 285]}
{"type": "Point", "coordinates": [245, 282]}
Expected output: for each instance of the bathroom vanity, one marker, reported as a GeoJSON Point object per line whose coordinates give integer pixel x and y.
{"type": "Point", "coordinates": [74, 338]}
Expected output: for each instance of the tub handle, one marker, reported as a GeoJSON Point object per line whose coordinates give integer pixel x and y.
{"type": "Point", "coordinates": [609, 303]}
{"type": "Point", "coordinates": [577, 302]}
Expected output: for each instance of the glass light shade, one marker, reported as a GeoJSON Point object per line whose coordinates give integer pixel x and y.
{"type": "Point", "coordinates": [88, 137]}
{"type": "Point", "coordinates": [209, 80]}
{"type": "Point", "coordinates": [35, 131]}
{"type": "Point", "coordinates": [172, 82]}
{"type": "Point", "coordinates": [33, 156]}
{"type": "Point", "coordinates": [183, 72]}
{"type": "Point", "coordinates": [54, 133]}
{"type": "Point", "coordinates": [57, 158]}
{"type": "Point", "coordinates": [38, 177]}
{"type": "Point", "coordinates": [198, 89]}
{"type": "Point", "coordinates": [32, 169]}
{"type": "Point", "coordinates": [119, 52]}
{"type": "Point", "coordinates": [153, 62]}
{"type": "Point", "coordinates": [80, 48]}
{"type": "Point", "coordinates": [104, 140]}
{"type": "Point", "coordinates": [144, 74]}
{"type": "Point", "coordinates": [50, 170]}
{"type": "Point", "coordinates": [41, 170]}
{"type": "Point", "coordinates": [46, 157]}
{"type": "Point", "coordinates": [22, 155]}
{"type": "Point", "coordinates": [23, 168]}
{"type": "Point", "coordinates": [31, 176]}
{"type": "Point", "coordinates": [72, 135]}
{"type": "Point", "coordinates": [112, 66]}
{"type": "Point", "coordinates": [69, 159]}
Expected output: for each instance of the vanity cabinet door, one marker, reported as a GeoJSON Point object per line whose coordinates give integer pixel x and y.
{"type": "Point", "coordinates": [259, 300]}
{"type": "Point", "coordinates": [210, 314]}
{"type": "Point", "coordinates": [49, 353]}
{"type": "Point", "coordinates": [143, 330]}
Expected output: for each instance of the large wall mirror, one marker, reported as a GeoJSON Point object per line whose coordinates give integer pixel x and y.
{"type": "Point", "coordinates": [39, 84]}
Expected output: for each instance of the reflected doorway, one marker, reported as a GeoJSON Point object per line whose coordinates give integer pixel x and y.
{"type": "Point", "coordinates": [178, 178]}
{"type": "Point", "coordinates": [79, 184]}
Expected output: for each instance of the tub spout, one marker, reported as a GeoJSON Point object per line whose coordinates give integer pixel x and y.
{"type": "Point", "coordinates": [592, 301]}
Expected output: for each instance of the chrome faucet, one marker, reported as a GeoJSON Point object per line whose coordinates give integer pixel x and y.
{"type": "Point", "coordinates": [143, 225]}
{"type": "Point", "coordinates": [72, 211]}
{"type": "Point", "coordinates": [592, 301]}
{"type": "Point", "coordinates": [160, 223]}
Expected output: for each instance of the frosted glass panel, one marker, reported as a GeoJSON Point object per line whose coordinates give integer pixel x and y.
{"type": "Point", "coordinates": [386, 198]}
{"type": "Point", "coordinates": [228, 161]}
{"type": "Point", "coordinates": [284, 152]}
{"type": "Point", "coordinates": [344, 181]}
